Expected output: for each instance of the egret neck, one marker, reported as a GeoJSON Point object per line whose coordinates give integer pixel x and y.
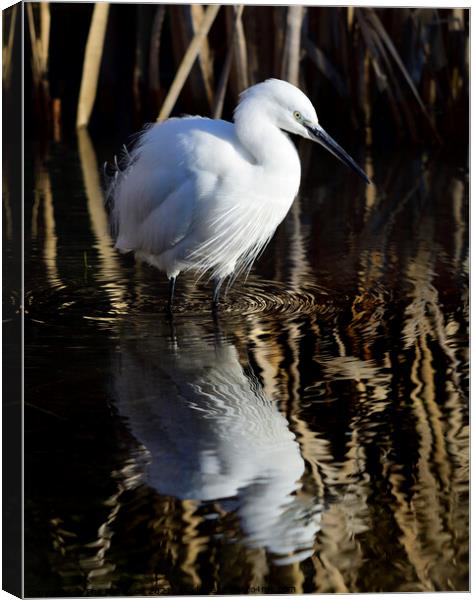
{"type": "Point", "coordinates": [268, 146]}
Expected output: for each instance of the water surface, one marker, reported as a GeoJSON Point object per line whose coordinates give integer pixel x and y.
{"type": "Point", "coordinates": [313, 438]}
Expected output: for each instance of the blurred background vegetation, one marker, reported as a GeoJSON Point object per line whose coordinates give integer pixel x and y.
{"type": "Point", "coordinates": [378, 76]}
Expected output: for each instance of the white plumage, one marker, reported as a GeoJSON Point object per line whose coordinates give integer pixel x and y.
{"type": "Point", "coordinates": [207, 195]}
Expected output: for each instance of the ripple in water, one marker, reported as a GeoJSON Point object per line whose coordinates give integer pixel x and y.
{"type": "Point", "coordinates": [251, 298]}
{"type": "Point", "coordinates": [274, 297]}
{"type": "Point", "coordinates": [243, 299]}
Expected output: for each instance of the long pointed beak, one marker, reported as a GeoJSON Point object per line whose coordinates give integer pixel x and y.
{"type": "Point", "coordinates": [319, 135]}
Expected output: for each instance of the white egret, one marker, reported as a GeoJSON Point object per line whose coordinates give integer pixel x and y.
{"type": "Point", "coordinates": [207, 195]}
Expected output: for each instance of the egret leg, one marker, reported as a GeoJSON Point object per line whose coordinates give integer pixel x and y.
{"type": "Point", "coordinates": [216, 293]}
{"type": "Point", "coordinates": [218, 334]}
{"type": "Point", "coordinates": [170, 303]}
{"type": "Point", "coordinates": [172, 330]}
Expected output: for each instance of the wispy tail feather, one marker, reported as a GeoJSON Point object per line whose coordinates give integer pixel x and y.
{"type": "Point", "coordinates": [113, 174]}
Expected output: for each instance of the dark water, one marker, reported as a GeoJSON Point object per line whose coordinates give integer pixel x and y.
{"type": "Point", "coordinates": [312, 439]}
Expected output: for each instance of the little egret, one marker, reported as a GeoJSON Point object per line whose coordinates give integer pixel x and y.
{"type": "Point", "coordinates": [207, 195]}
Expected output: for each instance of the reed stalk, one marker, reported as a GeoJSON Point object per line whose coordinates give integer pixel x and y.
{"type": "Point", "coordinates": [7, 50]}
{"type": "Point", "coordinates": [39, 42]}
{"type": "Point", "coordinates": [239, 65]}
{"type": "Point", "coordinates": [292, 45]}
{"type": "Point", "coordinates": [36, 59]}
{"type": "Point", "coordinates": [157, 25]}
{"type": "Point", "coordinates": [222, 84]}
{"type": "Point", "coordinates": [92, 63]}
{"type": "Point", "coordinates": [188, 61]}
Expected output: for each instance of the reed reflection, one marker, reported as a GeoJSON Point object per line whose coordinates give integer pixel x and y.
{"type": "Point", "coordinates": [43, 194]}
{"type": "Point", "coordinates": [109, 274]}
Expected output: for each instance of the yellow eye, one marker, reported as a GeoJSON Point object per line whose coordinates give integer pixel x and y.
{"type": "Point", "coordinates": [297, 115]}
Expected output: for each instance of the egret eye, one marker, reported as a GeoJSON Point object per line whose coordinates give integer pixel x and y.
{"type": "Point", "coordinates": [297, 115]}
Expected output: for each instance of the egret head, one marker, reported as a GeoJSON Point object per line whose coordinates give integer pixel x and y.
{"type": "Point", "coordinates": [292, 111]}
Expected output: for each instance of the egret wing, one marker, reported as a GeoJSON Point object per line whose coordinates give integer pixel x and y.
{"type": "Point", "coordinates": [171, 173]}
{"type": "Point", "coordinates": [169, 222]}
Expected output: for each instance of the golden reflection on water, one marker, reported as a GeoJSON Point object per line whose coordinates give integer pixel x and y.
{"type": "Point", "coordinates": [108, 257]}
{"type": "Point", "coordinates": [43, 194]}
{"type": "Point", "coordinates": [369, 399]}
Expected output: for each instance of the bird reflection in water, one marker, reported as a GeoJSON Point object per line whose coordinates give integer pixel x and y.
{"type": "Point", "coordinates": [212, 434]}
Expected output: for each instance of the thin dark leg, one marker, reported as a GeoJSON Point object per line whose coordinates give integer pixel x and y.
{"type": "Point", "coordinates": [215, 312]}
{"type": "Point", "coordinates": [217, 330]}
{"type": "Point", "coordinates": [216, 293]}
{"type": "Point", "coordinates": [170, 319]}
{"type": "Point", "coordinates": [170, 303]}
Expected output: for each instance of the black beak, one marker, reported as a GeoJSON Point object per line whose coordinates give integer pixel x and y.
{"type": "Point", "coordinates": [319, 135]}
